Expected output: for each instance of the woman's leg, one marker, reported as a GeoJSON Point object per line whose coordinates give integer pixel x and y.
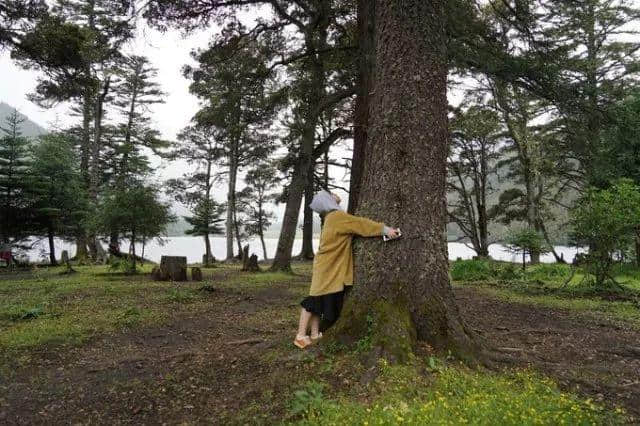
{"type": "Point", "coordinates": [305, 316]}
{"type": "Point", "coordinates": [315, 326]}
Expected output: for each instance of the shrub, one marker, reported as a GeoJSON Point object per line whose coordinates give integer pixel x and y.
{"type": "Point", "coordinates": [605, 221]}
{"type": "Point", "coordinates": [471, 270]}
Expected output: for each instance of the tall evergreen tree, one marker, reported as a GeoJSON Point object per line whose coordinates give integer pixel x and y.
{"type": "Point", "coordinates": [133, 136]}
{"type": "Point", "coordinates": [197, 145]}
{"type": "Point", "coordinates": [240, 100]}
{"type": "Point", "coordinates": [472, 165]}
{"type": "Point", "coordinates": [59, 198]}
{"type": "Point", "coordinates": [258, 193]}
{"type": "Point", "coordinates": [403, 286]}
{"type": "Point", "coordinates": [16, 183]}
{"type": "Point", "coordinates": [87, 36]}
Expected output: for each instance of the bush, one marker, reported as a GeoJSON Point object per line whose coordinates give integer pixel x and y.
{"type": "Point", "coordinates": [605, 220]}
{"type": "Point", "coordinates": [471, 270]}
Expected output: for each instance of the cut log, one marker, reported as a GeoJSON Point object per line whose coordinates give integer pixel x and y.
{"type": "Point", "coordinates": [245, 257]}
{"type": "Point", "coordinates": [157, 274]}
{"type": "Point", "coordinates": [196, 274]}
{"type": "Point", "coordinates": [175, 267]}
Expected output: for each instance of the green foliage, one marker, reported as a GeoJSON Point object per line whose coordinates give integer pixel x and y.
{"type": "Point", "coordinates": [454, 396]}
{"type": "Point", "coordinates": [261, 180]}
{"type": "Point", "coordinates": [206, 219]}
{"type": "Point", "coordinates": [135, 92]}
{"type": "Point", "coordinates": [473, 153]}
{"type": "Point", "coordinates": [526, 241]}
{"type": "Point", "coordinates": [136, 212]}
{"type": "Point", "coordinates": [605, 220]}
{"type": "Point", "coordinates": [307, 398]}
{"type": "Point", "coordinates": [16, 182]}
{"type": "Point", "coordinates": [60, 199]}
{"type": "Point", "coordinates": [471, 270]}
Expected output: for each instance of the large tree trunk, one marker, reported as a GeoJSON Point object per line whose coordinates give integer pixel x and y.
{"type": "Point", "coordinates": [264, 246]}
{"type": "Point", "coordinates": [231, 197]}
{"type": "Point", "coordinates": [282, 259]}
{"type": "Point", "coordinates": [52, 247]}
{"type": "Point", "coordinates": [82, 254]}
{"type": "Point", "coordinates": [402, 291]}
{"type": "Point", "coordinates": [307, 225]}
{"type": "Point", "coordinates": [237, 231]}
{"type": "Point", "coordinates": [207, 249]}
{"type": "Point", "coordinates": [366, 68]}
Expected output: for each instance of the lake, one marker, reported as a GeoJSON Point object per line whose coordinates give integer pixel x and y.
{"type": "Point", "coordinates": [193, 248]}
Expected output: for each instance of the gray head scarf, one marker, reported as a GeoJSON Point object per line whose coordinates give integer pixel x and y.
{"type": "Point", "coordinates": [323, 202]}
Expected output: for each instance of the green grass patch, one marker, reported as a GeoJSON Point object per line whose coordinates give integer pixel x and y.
{"type": "Point", "coordinates": [452, 395]}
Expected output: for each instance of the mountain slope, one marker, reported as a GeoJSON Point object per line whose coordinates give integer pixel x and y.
{"type": "Point", "coordinates": [28, 127]}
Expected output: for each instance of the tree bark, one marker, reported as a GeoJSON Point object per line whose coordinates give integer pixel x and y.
{"type": "Point", "coordinates": [231, 201]}
{"type": "Point", "coordinates": [315, 39]}
{"type": "Point", "coordinates": [264, 246]}
{"type": "Point", "coordinates": [207, 249]}
{"type": "Point", "coordinates": [402, 292]}
{"type": "Point", "coordinates": [307, 224]}
{"type": "Point", "coordinates": [637, 243]}
{"type": "Point", "coordinates": [366, 69]}
{"type": "Point", "coordinates": [52, 247]}
{"type": "Point", "coordinates": [237, 231]}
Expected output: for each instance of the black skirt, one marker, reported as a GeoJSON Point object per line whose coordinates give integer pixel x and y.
{"type": "Point", "coordinates": [327, 306]}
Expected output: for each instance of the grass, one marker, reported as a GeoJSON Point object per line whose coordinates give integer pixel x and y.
{"type": "Point", "coordinates": [544, 285]}
{"type": "Point", "coordinates": [448, 395]}
{"type": "Point", "coordinates": [44, 307]}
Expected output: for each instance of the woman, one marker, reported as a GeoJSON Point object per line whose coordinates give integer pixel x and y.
{"type": "Point", "coordinates": [333, 265]}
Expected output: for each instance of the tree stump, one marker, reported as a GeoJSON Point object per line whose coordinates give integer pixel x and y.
{"type": "Point", "coordinates": [157, 274]}
{"type": "Point", "coordinates": [66, 262]}
{"type": "Point", "coordinates": [245, 257]}
{"type": "Point", "coordinates": [196, 274]}
{"type": "Point", "coordinates": [249, 263]}
{"type": "Point", "coordinates": [252, 264]}
{"type": "Point", "coordinates": [175, 267]}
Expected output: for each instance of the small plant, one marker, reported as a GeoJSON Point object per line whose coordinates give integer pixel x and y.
{"type": "Point", "coordinates": [526, 242]}
{"type": "Point", "coordinates": [364, 344]}
{"type": "Point", "coordinates": [308, 399]}
{"type": "Point", "coordinates": [121, 264]}
{"type": "Point", "coordinates": [180, 295]}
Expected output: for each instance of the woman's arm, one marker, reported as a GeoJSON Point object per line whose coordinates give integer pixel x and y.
{"type": "Point", "coordinates": [349, 224]}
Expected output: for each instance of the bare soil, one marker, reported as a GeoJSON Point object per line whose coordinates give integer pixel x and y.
{"type": "Point", "coordinates": [237, 356]}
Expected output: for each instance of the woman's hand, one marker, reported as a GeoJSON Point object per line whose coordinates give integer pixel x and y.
{"type": "Point", "coordinates": [391, 232]}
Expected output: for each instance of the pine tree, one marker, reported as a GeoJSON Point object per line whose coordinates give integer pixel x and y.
{"type": "Point", "coordinates": [473, 156]}
{"type": "Point", "coordinates": [16, 183]}
{"type": "Point", "coordinates": [199, 148]}
{"type": "Point", "coordinates": [59, 199]}
{"type": "Point", "coordinates": [258, 193]}
{"type": "Point", "coordinates": [240, 101]}
{"type": "Point", "coordinates": [133, 136]}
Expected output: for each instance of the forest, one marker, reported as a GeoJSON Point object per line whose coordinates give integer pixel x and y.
{"type": "Point", "coordinates": [485, 122]}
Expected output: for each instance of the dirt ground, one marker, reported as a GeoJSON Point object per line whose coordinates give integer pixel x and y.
{"type": "Point", "coordinates": [237, 356]}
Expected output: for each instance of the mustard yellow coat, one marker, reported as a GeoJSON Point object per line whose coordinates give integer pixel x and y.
{"type": "Point", "coordinates": [333, 264]}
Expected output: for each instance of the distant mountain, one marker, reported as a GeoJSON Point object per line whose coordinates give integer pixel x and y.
{"type": "Point", "coordinates": [28, 128]}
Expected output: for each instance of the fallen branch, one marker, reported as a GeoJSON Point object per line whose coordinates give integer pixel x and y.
{"type": "Point", "coordinates": [245, 342]}
{"type": "Point", "coordinates": [510, 349]}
